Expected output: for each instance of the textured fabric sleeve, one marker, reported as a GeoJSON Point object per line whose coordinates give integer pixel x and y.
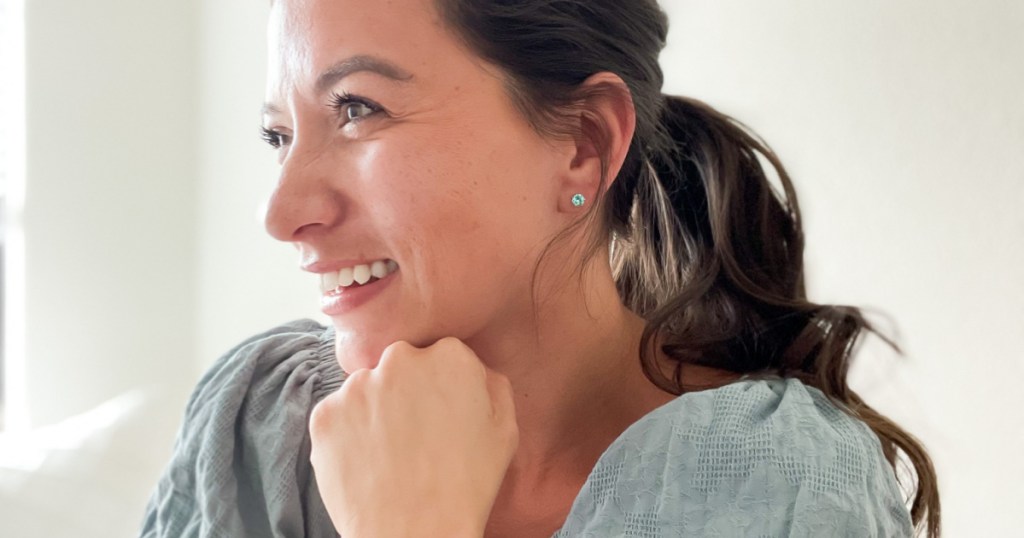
{"type": "Point", "coordinates": [765, 458]}
{"type": "Point", "coordinates": [240, 465]}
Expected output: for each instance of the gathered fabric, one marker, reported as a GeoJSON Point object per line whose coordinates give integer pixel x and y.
{"type": "Point", "coordinates": [758, 457]}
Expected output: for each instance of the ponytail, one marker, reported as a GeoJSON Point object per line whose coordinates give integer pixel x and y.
{"type": "Point", "coordinates": [706, 245]}
{"type": "Point", "coordinates": [712, 258]}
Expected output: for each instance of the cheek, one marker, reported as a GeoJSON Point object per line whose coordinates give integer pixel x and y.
{"type": "Point", "coordinates": [427, 203]}
{"type": "Point", "coordinates": [465, 215]}
{"type": "Point", "coordinates": [445, 188]}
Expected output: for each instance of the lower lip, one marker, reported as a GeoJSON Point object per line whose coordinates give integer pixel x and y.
{"type": "Point", "coordinates": [336, 304]}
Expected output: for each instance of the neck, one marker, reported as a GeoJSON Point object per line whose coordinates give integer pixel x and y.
{"type": "Point", "coordinates": [573, 363]}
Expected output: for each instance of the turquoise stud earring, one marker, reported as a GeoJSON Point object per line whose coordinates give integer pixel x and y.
{"type": "Point", "coordinates": [578, 200]}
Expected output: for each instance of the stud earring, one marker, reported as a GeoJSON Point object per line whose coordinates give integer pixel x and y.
{"type": "Point", "coordinates": [578, 200]}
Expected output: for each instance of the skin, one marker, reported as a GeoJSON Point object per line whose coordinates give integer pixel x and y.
{"type": "Point", "coordinates": [449, 180]}
{"type": "Point", "coordinates": [382, 474]}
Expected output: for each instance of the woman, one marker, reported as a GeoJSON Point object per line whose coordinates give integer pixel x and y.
{"type": "Point", "coordinates": [459, 174]}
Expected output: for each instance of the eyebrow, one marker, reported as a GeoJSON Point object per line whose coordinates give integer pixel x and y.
{"type": "Point", "coordinates": [355, 64]}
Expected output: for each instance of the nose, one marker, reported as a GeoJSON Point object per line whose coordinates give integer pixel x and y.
{"type": "Point", "coordinates": [303, 201]}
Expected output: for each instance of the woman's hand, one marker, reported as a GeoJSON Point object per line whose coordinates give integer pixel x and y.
{"type": "Point", "coordinates": [417, 446]}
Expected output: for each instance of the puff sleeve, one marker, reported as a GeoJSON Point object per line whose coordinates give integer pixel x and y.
{"type": "Point", "coordinates": [755, 458]}
{"type": "Point", "coordinates": [240, 465]}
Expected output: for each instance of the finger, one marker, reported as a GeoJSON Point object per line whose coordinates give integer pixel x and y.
{"type": "Point", "coordinates": [394, 353]}
{"type": "Point", "coordinates": [503, 407]}
{"type": "Point", "coordinates": [451, 360]}
{"type": "Point", "coordinates": [499, 388]}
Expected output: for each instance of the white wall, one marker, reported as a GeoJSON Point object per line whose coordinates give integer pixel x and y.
{"type": "Point", "coordinates": [902, 124]}
{"type": "Point", "coordinates": [247, 281]}
{"type": "Point", "coordinates": [110, 212]}
{"type": "Point", "coordinates": [109, 224]}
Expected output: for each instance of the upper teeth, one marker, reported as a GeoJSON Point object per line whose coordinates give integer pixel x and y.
{"type": "Point", "coordinates": [360, 274]}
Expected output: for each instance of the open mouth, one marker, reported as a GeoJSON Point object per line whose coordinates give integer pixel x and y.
{"type": "Point", "coordinates": [356, 276]}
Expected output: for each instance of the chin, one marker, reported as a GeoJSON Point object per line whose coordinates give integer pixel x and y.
{"type": "Point", "coordinates": [360, 346]}
{"type": "Point", "coordinates": [354, 353]}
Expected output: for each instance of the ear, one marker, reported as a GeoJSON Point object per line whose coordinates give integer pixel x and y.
{"type": "Point", "coordinates": [607, 122]}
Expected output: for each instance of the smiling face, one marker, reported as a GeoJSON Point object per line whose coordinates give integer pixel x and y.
{"type": "Point", "coordinates": [396, 143]}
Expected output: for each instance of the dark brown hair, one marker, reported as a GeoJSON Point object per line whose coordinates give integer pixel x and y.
{"type": "Point", "coordinates": [704, 247]}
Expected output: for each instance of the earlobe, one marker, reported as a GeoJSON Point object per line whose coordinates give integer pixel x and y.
{"type": "Point", "coordinates": [576, 203]}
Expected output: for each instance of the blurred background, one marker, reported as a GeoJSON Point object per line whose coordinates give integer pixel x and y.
{"type": "Point", "coordinates": [134, 255]}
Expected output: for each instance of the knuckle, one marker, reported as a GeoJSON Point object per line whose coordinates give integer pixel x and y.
{"type": "Point", "coordinates": [395, 350]}
{"type": "Point", "coordinates": [450, 343]}
{"type": "Point", "coordinates": [328, 410]}
{"type": "Point", "coordinates": [398, 346]}
{"type": "Point", "coordinates": [320, 419]}
{"type": "Point", "coordinates": [355, 380]}
{"type": "Point", "coordinates": [456, 350]}
{"type": "Point", "coordinates": [447, 341]}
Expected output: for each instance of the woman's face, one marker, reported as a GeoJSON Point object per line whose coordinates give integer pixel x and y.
{"type": "Point", "coordinates": [398, 144]}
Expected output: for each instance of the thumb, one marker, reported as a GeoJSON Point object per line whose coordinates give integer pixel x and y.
{"type": "Point", "coordinates": [503, 409]}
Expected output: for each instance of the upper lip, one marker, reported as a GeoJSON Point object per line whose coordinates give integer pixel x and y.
{"type": "Point", "coordinates": [321, 267]}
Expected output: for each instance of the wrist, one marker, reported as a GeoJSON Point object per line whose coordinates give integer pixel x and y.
{"type": "Point", "coordinates": [401, 527]}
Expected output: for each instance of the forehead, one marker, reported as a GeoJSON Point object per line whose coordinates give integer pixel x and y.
{"type": "Point", "coordinates": [307, 37]}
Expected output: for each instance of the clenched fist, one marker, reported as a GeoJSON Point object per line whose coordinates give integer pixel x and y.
{"type": "Point", "coordinates": [417, 446]}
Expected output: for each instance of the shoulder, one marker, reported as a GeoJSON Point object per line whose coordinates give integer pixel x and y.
{"type": "Point", "coordinates": [757, 457]}
{"type": "Point", "coordinates": [301, 350]}
{"type": "Point", "coordinates": [241, 460]}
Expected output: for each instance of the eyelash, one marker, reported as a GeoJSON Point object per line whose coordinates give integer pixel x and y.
{"type": "Point", "coordinates": [339, 103]}
{"type": "Point", "coordinates": [272, 137]}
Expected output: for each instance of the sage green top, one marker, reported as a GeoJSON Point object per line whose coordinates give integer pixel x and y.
{"type": "Point", "coordinates": [768, 457]}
